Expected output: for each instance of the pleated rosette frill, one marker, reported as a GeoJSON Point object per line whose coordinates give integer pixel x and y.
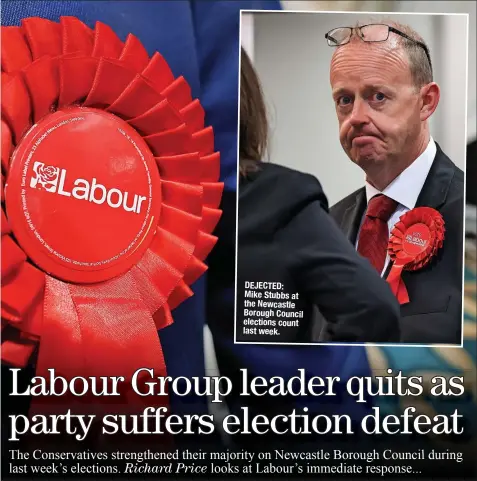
{"type": "Point", "coordinates": [414, 242]}
{"type": "Point", "coordinates": [102, 322]}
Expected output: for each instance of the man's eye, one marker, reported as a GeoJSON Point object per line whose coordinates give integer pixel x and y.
{"type": "Point", "coordinates": [379, 96]}
{"type": "Point", "coordinates": [344, 100]}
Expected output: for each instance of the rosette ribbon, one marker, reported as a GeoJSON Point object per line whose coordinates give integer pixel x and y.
{"type": "Point", "coordinates": [65, 81]}
{"type": "Point", "coordinates": [414, 241]}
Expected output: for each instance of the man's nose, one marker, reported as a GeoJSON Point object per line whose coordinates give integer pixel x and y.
{"type": "Point", "coordinates": [359, 114]}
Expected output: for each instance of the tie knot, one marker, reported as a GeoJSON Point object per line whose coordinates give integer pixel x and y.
{"type": "Point", "coordinates": [381, 207]}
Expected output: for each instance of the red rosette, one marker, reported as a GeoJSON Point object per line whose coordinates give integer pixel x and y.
{"type": "Point", "coordinates": [110, 193]}
{"type": "Point", "coordinates": [414, 241]}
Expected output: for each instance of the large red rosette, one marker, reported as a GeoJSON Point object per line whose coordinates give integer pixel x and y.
{"type": "Point", "coordinates": [98, 106]}
{"type": "Point", "coordinates": [414, 241]}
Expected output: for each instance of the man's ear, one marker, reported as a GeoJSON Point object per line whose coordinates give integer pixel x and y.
{"type": "Point", "coordinates": [430, 95]}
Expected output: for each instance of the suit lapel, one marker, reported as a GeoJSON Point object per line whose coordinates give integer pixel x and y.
{"type": "Point", "coordinates": [352, 217]}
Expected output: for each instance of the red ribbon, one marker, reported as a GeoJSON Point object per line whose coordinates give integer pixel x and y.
{"type": "Point", "coordinates": [414, 241]}
{"type": "Point", "coordinates": [107, 328]}
{"type": "Point", "coordinates": [85, 332]}
{"type": "Point", "coordinates": [397, 284]}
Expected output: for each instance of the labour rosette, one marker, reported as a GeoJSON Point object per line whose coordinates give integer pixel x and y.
{"type": "Point", "coordinates": [414, 241]}
{"type": "Point", "coordinates": [110, 194]}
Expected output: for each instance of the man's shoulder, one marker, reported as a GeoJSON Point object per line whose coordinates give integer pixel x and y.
{"type": "Point", "coordinates": [444, 159]}
{"type": "Point", "coordinates": [289, 177]}
{"type": "Point", "coordinates": [283, 185]}
{"type": "Point", "coordinates": [337, 210]}
{"type": "Point", "coordinates": [456, 189]}
{"type": "Point", "coordinates": [457, 177]}
{"type": "Point", "coordinates": [273, 194]}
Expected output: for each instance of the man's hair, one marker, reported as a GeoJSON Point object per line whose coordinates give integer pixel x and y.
{"type": "Point", "coordinates": [419, 65]}
{"type": "Point", "coordinates": [253, 118]}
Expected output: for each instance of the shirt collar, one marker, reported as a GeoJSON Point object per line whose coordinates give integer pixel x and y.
{"type": "Point", "coordinates": [406, 187]}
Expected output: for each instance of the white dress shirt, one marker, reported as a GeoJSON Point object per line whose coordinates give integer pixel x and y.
{"type": "Point", "coordinates": [405, 188]}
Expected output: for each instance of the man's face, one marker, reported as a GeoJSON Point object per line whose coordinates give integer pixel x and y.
{"type": "Point", "coordinates": [378, 106]}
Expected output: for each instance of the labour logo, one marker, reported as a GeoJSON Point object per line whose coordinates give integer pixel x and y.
{"type": "Point", "coordinates": [54, 179]}
{"type": "Point", "coordinates": [45, 177]}
{"type": "Point", "coordinates": [85, 209]}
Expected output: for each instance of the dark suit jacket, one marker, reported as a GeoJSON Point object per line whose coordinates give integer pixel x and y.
{"type": "Point", "coordinates": [434, 313]}
{"type": "Point", "coordinates": [286, 235]}
{"type": "Point", "coordinates": [471, 170]}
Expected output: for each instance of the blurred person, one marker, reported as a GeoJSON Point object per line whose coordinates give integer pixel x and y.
{"type": "Point", "coordinates": [382, 85]}
{"type": "Point", "coordinates": [272, 201]}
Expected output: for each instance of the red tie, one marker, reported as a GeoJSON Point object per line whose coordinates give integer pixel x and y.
{"type": "Point", "coordinates": [374, 233]}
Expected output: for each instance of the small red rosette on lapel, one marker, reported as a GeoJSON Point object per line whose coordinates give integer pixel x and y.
{"type": "Point", "coordinates": [110, 193]}
{"type": "Point", "coordinates": [414, 241]}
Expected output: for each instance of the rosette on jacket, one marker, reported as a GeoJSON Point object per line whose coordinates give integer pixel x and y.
{"type": "Point", "coordinates": [110, 194]}
{"type": "Point", "coordinates": [414, 241]}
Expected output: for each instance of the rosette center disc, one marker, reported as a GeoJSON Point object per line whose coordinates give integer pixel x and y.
{"type": "Point", "coordinates": [83, 195]}
{"type": "Point", "coordinates": [416, 239]}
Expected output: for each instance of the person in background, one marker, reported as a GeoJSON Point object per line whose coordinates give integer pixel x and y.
{"type": "Point", "coordinates": [382, 85]}
{"type": "Point", "coordinates": [286, 234]}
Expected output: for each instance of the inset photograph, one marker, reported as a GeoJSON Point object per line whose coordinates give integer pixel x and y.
{"type": "Point", "coordinates": [352, 152]}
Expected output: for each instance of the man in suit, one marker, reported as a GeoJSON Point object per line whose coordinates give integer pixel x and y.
{"type": "Point", "coordinates": [383, 88]}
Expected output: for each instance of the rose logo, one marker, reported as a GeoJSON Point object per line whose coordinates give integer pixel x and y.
{"type": "Point", "coordinates": [46, 177]}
